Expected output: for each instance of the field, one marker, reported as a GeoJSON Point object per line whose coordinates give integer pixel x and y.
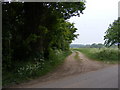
{"type": "Point", "coordinates": [107, 55]}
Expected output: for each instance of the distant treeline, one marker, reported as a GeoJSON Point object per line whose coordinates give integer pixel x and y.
{"type": "Point", "coordinates": [94, 45]}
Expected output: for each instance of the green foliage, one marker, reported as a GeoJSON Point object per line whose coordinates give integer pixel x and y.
{"type": "Point", "coordinates": [66, 31]}
{"type": "Point", "coordinates": [33, 69]}
{"type": "Point", "coordinates": [31, 38]}
{"type": "Point", "coordinates": [66, 10]}
{"type": "Point", "coordinates": [108, 55]}
{"type": "Point", "coordinates": [36, 30]}
{"type": "Point", "coordinates": [113, 33]}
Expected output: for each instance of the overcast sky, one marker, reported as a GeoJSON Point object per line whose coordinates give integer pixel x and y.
{"type": "Point", "coordinates": [94, 22]}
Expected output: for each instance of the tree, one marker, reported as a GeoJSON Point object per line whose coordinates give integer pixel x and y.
{"type": "Point", "coordinates": [47, 15]}
{"type": "Point", "coordinates": [113, 34]}
{"type": "Point", "coordinates": [32, 29]}
{"type": "Point", "coordinates": [63, 35]}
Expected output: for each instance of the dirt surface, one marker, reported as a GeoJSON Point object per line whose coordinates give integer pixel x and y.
{"type": "Point", "coordinates": [76, 63]}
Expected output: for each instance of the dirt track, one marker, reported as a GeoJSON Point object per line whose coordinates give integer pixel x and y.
{"type": "Point", "coordinates": [71, 66]}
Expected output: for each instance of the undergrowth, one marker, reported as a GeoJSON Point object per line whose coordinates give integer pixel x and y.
{"type": "Point", "coordinates": [26, 71]}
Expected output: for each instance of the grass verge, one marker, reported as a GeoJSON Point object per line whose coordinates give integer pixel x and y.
{"type": "Point", "coordinates": [30, 70]}
{"type": "Point", "coordinates": [76, 56]}
{"type": "Point", "coordinates": [107, 55]}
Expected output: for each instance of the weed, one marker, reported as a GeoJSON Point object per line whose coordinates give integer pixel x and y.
{"type": "Point", "coordinates": [76, 56]}
{"type": "Point", "coordinates": [107, 55]}
{"type": "Point", "coordinates": [33, 69]}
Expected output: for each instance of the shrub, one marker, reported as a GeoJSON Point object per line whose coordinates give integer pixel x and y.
{"type": "Point", "coordinates": [34, 68]}
{"type": "Point", "coordinates": [107, 54]}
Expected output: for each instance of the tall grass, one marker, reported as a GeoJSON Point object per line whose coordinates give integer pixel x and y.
{"type": "Point", "coordinates": [108, 55]}
{"type": "Point", "coordinates": [33, 69]}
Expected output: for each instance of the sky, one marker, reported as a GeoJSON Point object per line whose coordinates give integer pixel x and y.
{"type": "Point", "coordinates": [93, 24]}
